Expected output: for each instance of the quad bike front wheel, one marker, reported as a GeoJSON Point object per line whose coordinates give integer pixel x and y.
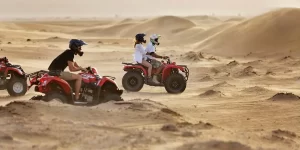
{"type": "Point", "coordinates": [133, 81]}
{"type": "Point", "coordinates": [16, 86]}
{"type": "Point", "coordinates": [175, 83]}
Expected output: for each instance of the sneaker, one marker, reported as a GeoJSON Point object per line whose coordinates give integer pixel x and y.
{"type": "Point", "coordinates": [149, 80]}
{"type": "Point", "coordinates": [155, 79]}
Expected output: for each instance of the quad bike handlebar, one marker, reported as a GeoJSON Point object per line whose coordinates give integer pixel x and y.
{"type": "Point", "coordinates": [168, 60]}
{"type": "Point", "coordinates": [4, 59]}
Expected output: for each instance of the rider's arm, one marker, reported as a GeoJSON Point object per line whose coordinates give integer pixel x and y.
{"type": "Point", "coordinates": [72, 66]}
{"type": "Point", "coordinates": [151, 51]}
{"type": "Point", "coordinates": [75, 64]}
{"type": "Point", "coordinates": [155, 55]}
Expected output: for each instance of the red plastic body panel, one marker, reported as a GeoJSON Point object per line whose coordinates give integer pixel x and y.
{"type": "Point", "coordinates": [13, 70]}
{"type": "Point", "coordinates": [105, 80]}
{"type": "Point", "coordinates": [46, 80]}
{"type": "Point", "coordinates": [5, 69]}
{"type": "Point", "coordinates": [167, 70]}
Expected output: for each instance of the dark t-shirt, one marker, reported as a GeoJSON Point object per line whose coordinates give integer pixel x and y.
{"type": "Point", "coordinates": [61, 61]}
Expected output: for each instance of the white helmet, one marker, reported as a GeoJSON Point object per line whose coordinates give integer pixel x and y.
{"type": "Point", "coordinates": [154, 39]}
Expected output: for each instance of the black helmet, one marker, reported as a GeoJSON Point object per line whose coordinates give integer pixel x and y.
{"type": "Point", "coordinates": [74, 45]}
{"type": "Point", "coordinates": [140, 37]}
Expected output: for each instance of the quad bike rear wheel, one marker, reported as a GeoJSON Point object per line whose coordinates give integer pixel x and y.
{"type": "Point", "coordinates": [16, 86]}
{"type": "Point", "coordinates": [133, 81]}
{"type": "Point", "coordinates": [175, 83]}
{"type": "Point", "coordinates": [55, 96]}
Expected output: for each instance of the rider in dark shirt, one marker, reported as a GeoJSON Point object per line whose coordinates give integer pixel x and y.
{"type": "Point", "coordinates": [61, 61]}
{"type": "Point", "coordinates": [66, 59]}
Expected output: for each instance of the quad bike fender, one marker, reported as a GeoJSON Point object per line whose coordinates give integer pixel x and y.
{"type": "Point", "coordinates": [105, 80]}
{"type": "Point", "coordinates": [47, 82]}
{"type": "Point", "coordinates": [111, 84]}
{"type": "Point", "coordinates": [14, 70]}
{"type": "Point", "coordinates": [167, 70]}
{"type": "Point", "coordinates": [137, 68]}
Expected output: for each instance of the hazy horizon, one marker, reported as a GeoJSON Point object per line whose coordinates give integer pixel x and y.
{"type": "Point", "coordinates": [137, 8]}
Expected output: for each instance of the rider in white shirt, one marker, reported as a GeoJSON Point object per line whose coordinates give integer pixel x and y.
{"type": "Point", "coordinates": [140, 55]}
{"type": "Point", "coordinates": [151, 55]}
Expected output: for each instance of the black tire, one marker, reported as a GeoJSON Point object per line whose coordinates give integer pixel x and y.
{"type": "Point", "coordinates": [133, 81]}
{"type": "Point", "coordinates": [16, 86]}
{"type": "Point", "coordinates": [55, 95]}
{"type": "Point", "coordinates": [114, 97]}
{"type": "Point", "coordinates": [175, 83]}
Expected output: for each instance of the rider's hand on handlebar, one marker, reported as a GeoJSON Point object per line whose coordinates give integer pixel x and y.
{"type": "Point", "coordinates": [83, 69]}
{"type": "Point", "coordinates": [165, 57]}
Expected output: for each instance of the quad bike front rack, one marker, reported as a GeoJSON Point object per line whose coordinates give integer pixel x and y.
{"type": "Point", "coordinates": [187, 71]}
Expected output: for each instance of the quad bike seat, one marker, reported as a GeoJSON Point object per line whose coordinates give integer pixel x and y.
{"type": "Point", "coordinates": [54, 72]}
{"type": "Point", "coordinates": [130, 63]}
{"type": "Point", "coordinates": [134, 64]}
{"type": "Point", "coordinates": [14, 66]}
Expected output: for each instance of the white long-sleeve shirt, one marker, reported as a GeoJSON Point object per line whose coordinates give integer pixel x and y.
{"type": "Point", "coordinates": [150, 48]}
{"type": "Point", "coordinates": [139, 54]}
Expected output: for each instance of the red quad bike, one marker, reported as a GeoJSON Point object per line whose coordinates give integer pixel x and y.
{"type": "Point", "coordinates": [12, 78]}
{"type": "Point", "coordinates": [94, 88]}
{"type": "Point", "coordinates": [171, 78]}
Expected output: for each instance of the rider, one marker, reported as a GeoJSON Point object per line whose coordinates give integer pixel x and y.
{"type": "Point", "coordinates": [65, 59]}
{"type": "Point", "coordinates": [140, 54]}
{"type": "Point", "coordinates": [151, 55]}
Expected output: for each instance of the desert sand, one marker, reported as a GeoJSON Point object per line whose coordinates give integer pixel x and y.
{"type": "Point", "coordinates": [242, 93]}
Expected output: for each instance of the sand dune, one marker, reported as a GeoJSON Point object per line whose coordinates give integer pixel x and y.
{"type": "Point", "coordinates": [193, 56]}
{"type": "Point", "coordinates": [204, 21]}
{"type": "Point", "coordinates": [210, 93]}
{"type": "Point", "coordinates": [43, 27]}
{"type": "Point", "coordinates": [284, 96]}
{"type": "Point", "coordinates": [223, 84]}
{"type": "Point", "coordinates": [214, 145]}
{"type": "Point", "coordinates": [113, 30]}
{"type": "Point", "coordinates": [206, 78]}
{"type": "Point", "coordinates": [165, 26]}
{"type": "Point", "coordinates": [230, 102]}
{"type": "Point", "coordinates": [235, 19]}
{"type": "Point", "coordinates": [198, 35]}
{"type": "Point", "coordinates": [255, 89]}
{"type": "Point", "coordinates": [267, 34]}
{"type": "Point", "coordinates": [204, 18]}
{"type": "Point", "coordinates": [246, 72]}
{"type": "Point", "coordinates": [232, 63]}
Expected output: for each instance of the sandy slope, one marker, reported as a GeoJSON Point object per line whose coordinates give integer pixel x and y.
{"type": "Point", "coordinates": [231, 103]}
{"type": "Point", "coordinates": [274, 32]}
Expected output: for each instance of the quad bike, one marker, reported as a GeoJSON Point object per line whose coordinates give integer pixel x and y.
{"type": "Point", "coordinates": [12, 78]}
{"type": "Point", "coordinates": [94, 88]}
{"type": "Point", "coordinates": [173, 77]}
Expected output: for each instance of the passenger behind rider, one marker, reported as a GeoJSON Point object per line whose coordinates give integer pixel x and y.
{"type": "Point", "coordinates": [151, 55]}
{"type": "Point", "coordinates": [140, 54]}
{"type": "Point", "coordinates": [65, 59]}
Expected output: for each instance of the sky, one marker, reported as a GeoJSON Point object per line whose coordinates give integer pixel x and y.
{"type": "Point", "coordinates": [127, 8]}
